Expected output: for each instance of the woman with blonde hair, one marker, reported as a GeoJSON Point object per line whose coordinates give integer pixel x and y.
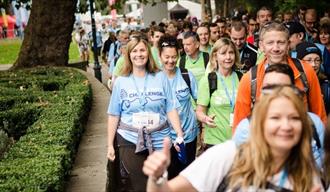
{"type": "Point", "coordinates": [276, 157]}
{"type": "Point", "coordinates": [217, 92]}
{"type": "Point", "coordinates": [141, 105]}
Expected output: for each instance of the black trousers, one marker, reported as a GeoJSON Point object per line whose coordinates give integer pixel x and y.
{"type": "Point", "coordinates": [125, 173]}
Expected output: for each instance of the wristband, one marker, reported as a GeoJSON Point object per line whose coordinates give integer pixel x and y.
{"type": "Point", "coordinates": [178, 140]}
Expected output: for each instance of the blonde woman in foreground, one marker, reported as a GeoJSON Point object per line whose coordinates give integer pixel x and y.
{"type": "Point", "coordinates": [277, 155]}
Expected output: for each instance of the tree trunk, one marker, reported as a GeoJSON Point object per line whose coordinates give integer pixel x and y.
{"type": "Point", "coordinates": [225, 8]}
{"type": "Point", "coordinates": [218, 7]}
{"type": "Point", "coordinates": [203, 11]}
{"type": "Point", "coordinates": [209, 9]}
{"type": "Point", "coordinates": [47, 35]}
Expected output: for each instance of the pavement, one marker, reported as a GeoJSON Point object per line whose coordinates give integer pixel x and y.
{"type": "Point", "coordinates": [89, 170]}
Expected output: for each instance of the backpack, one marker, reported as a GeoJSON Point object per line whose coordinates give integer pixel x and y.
{"type": "Point", "coordinates": [184, 71]}
{"type": "Point", "coordinates": [300, 68]}
{"type": "Point", "coordinates": [325, 88]}
{"type": "Point", "coordinates": [213, 81]}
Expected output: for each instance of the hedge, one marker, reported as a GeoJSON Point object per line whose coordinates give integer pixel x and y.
{"type": "Point", "coordinates": [44, 110]}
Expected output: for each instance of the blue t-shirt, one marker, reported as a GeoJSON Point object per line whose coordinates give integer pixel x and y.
{"type": "Point", "coordinates": [125, 101]}
{"type": "Point", "coordinates": [243, 131]}
{"type": "Point", "coordinates": [186, 111]}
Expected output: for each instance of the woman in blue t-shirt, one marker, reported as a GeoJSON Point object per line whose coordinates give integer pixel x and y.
{"type": "Point", "coordinates": [141, 105]}
{"type": "Point", "coordinates": [168, 52]}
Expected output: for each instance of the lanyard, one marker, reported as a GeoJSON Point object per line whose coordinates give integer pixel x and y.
{"type": "Point", "coordinates": [232, 98]}
{"type": "Point", "coordinates": [142, 98]}
{"type": "Point", "coordinates": [284, 175]}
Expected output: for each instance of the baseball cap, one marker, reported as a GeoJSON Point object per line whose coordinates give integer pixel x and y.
{"type": "Point", "coordinates": [295, 27]}
{"type": "Point", "coordinates": [306, 48]}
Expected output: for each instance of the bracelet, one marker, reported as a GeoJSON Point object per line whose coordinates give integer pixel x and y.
{"type": "Point", "coordinates": [161, 180]}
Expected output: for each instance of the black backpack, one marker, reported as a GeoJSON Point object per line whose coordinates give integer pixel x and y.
{"type": "Point", "coordinates": [184, 71]}
{"type": "Point", "coordinates": [300, 68]}
{"type": "Point", "coordinates": [325, 88]}
{"type": "Point", "coordinates": [213, 81]}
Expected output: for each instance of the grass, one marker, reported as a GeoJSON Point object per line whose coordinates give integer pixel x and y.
{"type": "Point", "coordinates": [9, 49]}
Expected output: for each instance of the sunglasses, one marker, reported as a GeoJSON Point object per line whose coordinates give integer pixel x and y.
{"type": "Point", "coordinates": [168, 44]}
{"type": "Point", "coordinates": [266, 90]}
{"type": "Point", "coordinates": [138, 38]}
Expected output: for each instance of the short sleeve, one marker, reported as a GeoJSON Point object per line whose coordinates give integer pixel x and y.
{"type": "Point", "coordinates": [115, 102]}
{"type": "Point", "coordinates": [209, 169]}
{"type": "Point", "coordinates": [203, 97]}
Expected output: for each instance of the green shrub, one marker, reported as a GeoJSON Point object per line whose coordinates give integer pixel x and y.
{"type": "Point", "coordinates": [45, 110]}
{"type": "Point", "coordinates": [5, 142]}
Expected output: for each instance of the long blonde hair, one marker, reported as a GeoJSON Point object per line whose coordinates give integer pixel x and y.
{"type": "Point", "coordinates": [127, 69]}
{"type": "Point", "coordinates": [326, 162]}
{"type": "Point", "coordinates": [222, 42]}
{"type": "Point", "coordinates": [252, 163]}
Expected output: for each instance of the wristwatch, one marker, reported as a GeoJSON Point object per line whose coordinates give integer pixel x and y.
{"type": "Point", "coordinates": [160, 181]}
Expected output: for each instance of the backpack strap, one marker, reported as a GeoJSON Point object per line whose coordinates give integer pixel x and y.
{"type": "Point", "coordinates": [206, 59]}
{"type": "Point", "coordinates": [253, 84]}
{"type": "Point", "coordinates": [239, 75]}
{"type": "Point", "coordinates": [182, 63]}
{"type": "Point", "coordinates": [115, 52]}
{"type": "Point", "coordinates": [186, 78]}
{"type": "Point", "coordinates": [303, 77]}
{"type": "Point", "coordinates": [213, 83]}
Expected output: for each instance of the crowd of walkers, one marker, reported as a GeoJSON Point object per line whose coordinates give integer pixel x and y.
{"type": "Point", "coordinates": [248, 95]}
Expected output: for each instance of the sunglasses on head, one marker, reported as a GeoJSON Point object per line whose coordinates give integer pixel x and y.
{"type": "Point", "coordinates": [268, 89]}
{"type": "Point", "coordinates": [138, 38]}
{"type": "Point", "coordinates": [168, 44]}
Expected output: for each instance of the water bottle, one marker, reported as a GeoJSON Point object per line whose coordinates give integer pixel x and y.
{"type": "Point", "coordinates": [182, 156]}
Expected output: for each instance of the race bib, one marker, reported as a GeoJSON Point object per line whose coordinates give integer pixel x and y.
{"type": "Point", "coordinates": [145, 119]}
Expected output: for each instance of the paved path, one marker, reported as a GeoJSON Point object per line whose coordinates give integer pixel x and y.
{"type": "Point", "coordinates": [4, 67]}
{"type": "Point", "coordinates": [89, 169]}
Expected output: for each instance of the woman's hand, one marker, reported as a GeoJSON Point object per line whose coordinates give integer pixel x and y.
{"type": "Point", "coordinates": [156, 163]}
{"type": "Point", "coordinates": [111, 153]}
{"type": "Point", "coordinates": [209, 121]}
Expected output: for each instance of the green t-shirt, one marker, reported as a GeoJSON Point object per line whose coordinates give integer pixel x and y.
{"type": "Point", "coordinates": [219, 106]}
{"type": "Point", "coordinates": [196, 67]}
{"type": "Point", "coordinates": [155, 55]}
{"type": "Point", "coordinates": [119, 66]}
